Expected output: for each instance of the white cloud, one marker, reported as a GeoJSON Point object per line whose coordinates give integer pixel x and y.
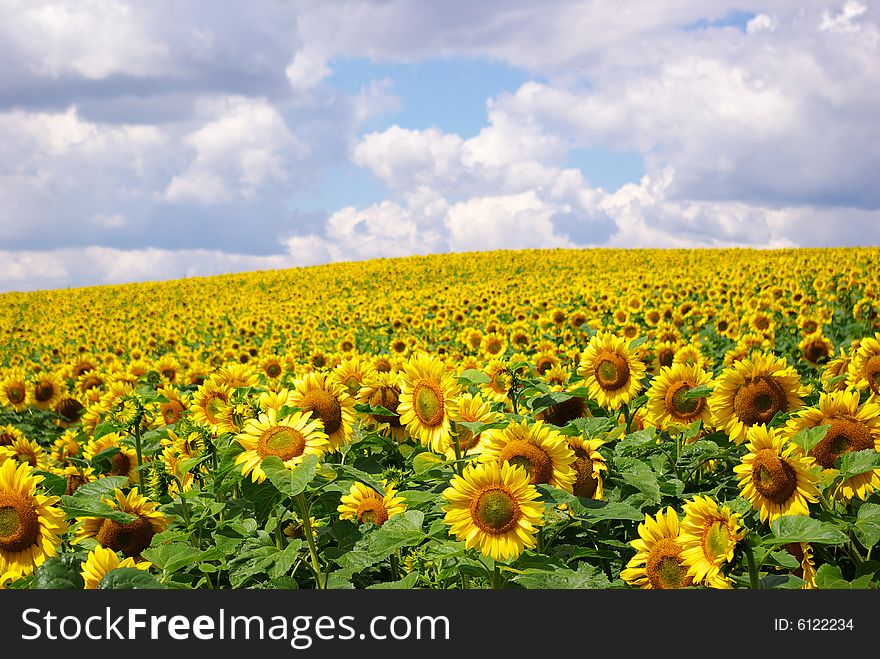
{"type": "Point", "coordinates": [307, 69]}
{"type": "Point", "coordinates": [843, 22]}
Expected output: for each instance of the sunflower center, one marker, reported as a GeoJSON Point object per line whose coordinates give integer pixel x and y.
{"type": "Point", "coordinates": [6, 438]}
{"type": "Point", "coordinates": [683, 408]}
{"type": "Point", "coordinates": [120, 465]}
{"type": "Point", "coordinates": [773, 477]}
{"type": "Point", "coordinates": [131, 539]}
{"type": "Point", "coordinates": [664, 568]}
{"type": "Point", "coordinates": [561, 413]}
{"type": "Point", "coordinates": [612, 371]}
{"type": "Point", "coordinates": [386, 397]}
{"type": "Point", "coordinates": [44, 391]}
{"type": "Point", "coordinates": [585, 483]}
{"type": "Point", "coordinates": [326, 407]}
{"type": "Point", "coordinates": [494, 347]}
{"type": "Point", "coordinates": [70, 409]}
{"type": "Point", "coordinates": [428, 404]}
{"type": "Point", "coordinates": [213, 407]}
{"type": "Point", "coordinates": [500, 382]}
{"type": "Point", "coordinates": [273, 370]}
{"type": "Point", "coordinates": [171, 412]}
{"type": "Point", "coordinates": [495, 511]}
{"type": "Point", "coordinates": [283, 441]}
{"type": "Point", "coordinates": [19, 523]}
{"type": "Point", "coordinates": [352, 384]}
{"type": "Point", "coordinates": [716, 541]}
{"type": "Point", "coordinates": [372, 510]}
{"type": "Point", "coordinates": [843, 436]}
{"type": "Point", "coordinates": [533, 459]}
{"type": "Point", "coordinates": [758, 400]}
{"type": "Point", "coordinates": [665, 356]}
{"type": "Point", "coordinates": [872, 373]}
{"type": "Point", "coordinates": [15, 394]}
{"type": "Point", "coordinates": [816, 351]}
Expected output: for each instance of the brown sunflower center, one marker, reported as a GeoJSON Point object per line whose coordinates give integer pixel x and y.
{"type": "Point", "coordinates": [6, 438]}
{"type": "Point", "coordinates": [388, 398]}
{"type": "Point", "coordinates": [16, 393]}
{"type": "Point", "coordinates": [273, 370]}
{"type": "Point", "coordinates": [372, 510]}
{"type": "Point", "coordinates": [495, 511]}
{"type": "Point", "coordinates": [665, 356]}
{"type": "Point", "coordinates": [120, 464]}
{"type": "Point", "coordinates": [171, 412]}
{"type": "Point", "coordinates": [773, 477]}
{"type": "Point", "coordinates": [326, 407]}
{"type": "Point", "coordinates": [843, 436]}
{"type": "Point", "coordinates": [561, 413]}
{"type": "Point", "coordinates": [70, 409]}
{"type": "Point", "coordinates": [19, 522]}
{"type": "Point", "coordinates": [533, 459]}
{"type": "Point", "coordinates": [680, 407]}
{"type": "Point", "coordinates": [74, 482]}
{"type": "Point", "coordinates": [585, 483]}
{"type": "Point", "coordinates": [44, 392]}
{"type": "Point", "coordinates": [758, 400]}
{"type": "Point", "coordinates": [664, 568]}
{"type": "Point", "coordinates": [428, 404]}
{"type": "Point", "coordinates": [285, 442]}
{"type": "Point", "coordinates": [611, 371]}
{"type": "Point", "coordinates": [872, 373]}
{"type": "Point", "coordinates": [131, 539]}
{"type": "Point", "coordinates": [815, 351]}
{"type": "Point", "coordinates": [494, 347]}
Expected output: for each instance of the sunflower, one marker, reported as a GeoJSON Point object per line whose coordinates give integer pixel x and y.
{"type": "Point", "coordinates": [816, 348]}
{"type": "Point", "coordinates": [427, 396]}
{"type": "Point", "coordinates": [492, 507]}
{"type": "Point", "coordinates": [329, 402]}
{"type": "Point", "coordinates": [275, 400]}
{"type": "Point", "coordinates": [708, 536]}
{"type": "Point", "coordinates": [291, 439]}
{"type": "Point", "coordinates": [172, 409]}
{"type": "Point", "coordinates": [803, 552]}
{"type": "Point", "coordinates": [75, 476]}
{"type": "Point", "coordinates": [353, 372]}
{"type": "Point", "coordinates": [237, 375]}
{"type": "Point", "coordinates": [864, 369]}
{"type": "Point", "coordinates": [498, 386]}
{"type": "Point", "coordinates": [29, 452]}
{"type": "Point", "coordinates": [45, 391]}
{"type": "Point", "coordinates": [588, 466]}
{"type": "Point", "coordinates": [751, 392]}
{"type": "Point", "coordinates": [774, 478]}
{"type": "Point", "coordinates": [658, 563]}
{"type": "Point", "coordinates": [544, 360]}
{"type": "Point", "coordinates": [14, 391]}
{"type": "Point", "coordinates": [364, 504]}
{"type": "Point", "coordinates": [66, 446]}
{"type": "Point", "coordinates": [209, 403]}
{"type": "Point", "coordinates": [69, 409]}
{"type": "Point", "coordinates": [131, 538]}
{"type": "Point", "coordinates": [667, 405]}
{"type": "Point", "coordinates": [168, 368]}
{"type": "Point", "coordinates": [31, 525]}
{"type": "Point", "coordinates": [383, 390]}
{"type": "Point", "coordinates": [123, 463]}
{"type": "Point", "coordinates": [834, 373]}
{"type": "Point", "coordinates": [469, 408]}
{"type": "Point", "coordinates": [610, 371]}
{"type": "Point", "coordinates": [854, 427]}
{"type": "Point", "coordinates": [272, 367]}
{"type": "Point", "coordinates": [493, 344]}
{"type": "Point", "coordinates": [10, 434]}
{"type": "Point", "coordinates": [541, 450]}
{"type": "Point", "coordinates": [101, 562]}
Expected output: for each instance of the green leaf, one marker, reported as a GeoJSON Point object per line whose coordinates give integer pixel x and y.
{"type": "Point", "coordinates": [473, 376]}
{"type": "Point", "coordinates": [858, 462]}
{"type": "Point", "coordinates": [638, 341]}
{"type": "Point", "coordinates": [809, 437]}
{"type": "Point", "coordinates": [636, 440]}
{"type": "Point", "coordinates": [830, 577]}
{"type": "Point", "coordinates": [362, 476]}
{"type": "Point", "coordinates": [285, 559]}
{"type": "Point", "coordinates": [375, 410]}
{"type": "Point", "coordinates": [702, 391]}
{"type": "Point", "coordinates": [403, 530]}
{"type": "Point", "coordinates": [785, 559]}
{"type": "Point", "coordinates": [867, 524]}
{"type": "Point", "coordinates": [129, 578]}
{"type": "Point", "coordinates": [426, 461]}
{"type": "Point", "coordinates": [186, 466]}
{"type": "Point", "coordinates": [585, 577]}
{"type": "Point", "coordinates": [641, 477]}
{"type": "Point", "coordinates": [476, 427]}
{"type": "Point", "coordinates": [80, 506]}
{"type": "Point", "coordinates": [59, 572]}
{"type": "Point", "coordinates": [290, 482]}
{"type": "Point", "coordinates": [798, 528]}
{"type": "Point", "coordinates": [407, 582]}
{"type": "Point", "coordinates": [103, 429]}
{"type": "Point", "coordinates": [173, 556]}
{"type": "Point", "coordinates": [54, 485]}
{"type": "Point", "coordinates": [103, 488]}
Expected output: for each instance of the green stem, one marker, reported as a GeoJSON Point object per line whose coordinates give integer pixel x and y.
{"type": "Point", "coordinates": [496, 578]}
{"type": "Point", "coordinates": [395, 566]}
{"type": "Point", "coordinates": [303, 502]}
{"type": "Point", "coordinates": [753, 568]}
{"type": "Point", "coordinates": [626, 415]}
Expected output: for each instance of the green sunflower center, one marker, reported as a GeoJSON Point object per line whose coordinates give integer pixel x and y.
{"type": "Point", "coordinates": [428, 404]}
{"type": "Point", "coordinates": [664, 568]}
{"type": "Point", "coordinates": [131, 539]}
{"type": "Point", "coordinates": [716, 541]}
{"type": "Point", "coordinates": [273, 370]}
{"type": "Point", "coordinates": [500, 382]}
{"type": "Point", "coordinates": [843, 436]}
{"type": "Point", "coordinates": [773, 477]}
{"type": "Point", "coordinates": [326, 407]}
{"type": "Point", "coordinates": [213, 407]}
{"type": "Point", "coordinates": [611, 371]}
{"type": "Point", "coordinates": [15, 393]}
{"type": "Point", "coordinates": [758, 400]}
{"type": "Point", "coordinates": [287, 443]}
{"type": "Point", "coordinates": [495, 511]}
{"type": "Point", "coordinates": [533, 459]}
{"type": "Point", "coordinates": [19, 522]}
{"type": "Point", "coordinates": [680, 407]}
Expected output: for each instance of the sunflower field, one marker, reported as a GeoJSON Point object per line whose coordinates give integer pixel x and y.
{"type": "Point", "coordinates": [512, 419]}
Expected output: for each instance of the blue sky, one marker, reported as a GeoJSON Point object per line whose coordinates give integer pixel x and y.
{"type": "Point", "coordinates": [157, 140]}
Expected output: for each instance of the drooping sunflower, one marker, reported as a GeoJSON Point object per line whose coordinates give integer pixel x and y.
{"type": "Point", "coordinates": [667, 405]}
{"type": "Point", "coordinates": [803, 552]}
{"type": "Point", "coordinates": [275, 400]}
{"type": "Point", "coordinates": [658, 563]}
{"type": "Point", "coordinates": [610, 371]}
{"type": "Point", "coordinates": [364, 504]}
{"type": "Point", "coordinates": [774, 478]}
{"type": "Point", "coordinates": [131, 538]}
{"type": "Point", "coordinates": [708, 535]}
{"type": "Point", "coordinates": [588, 466]}
{"type": "Point", "coordinates": [427, 397]}
{"type": "Point", "coordinates": [492, 507]}
{"type": "Point", "coordinates": [45, 391]}
{"type": "Point", "coordinates": [469, 408]}
{"type": "Point", "coordinates": [101, 562]}
{"type": "Point", "coordinates": [14, 390]}
{"type": "Point", "coordinates": [854, 427]}
{"type": "Point", "coordinates": [31, 524]}
{"type": "Point", "coordinates": [751, 392]}
{"type": "Point", "coordinates": [290, 439]}
{"type": "Point", "coordinates": [329, 402]}
{"type": "Point", "coordinates": [383, 390]}
{"type": "Point", "coordinates": [864, 368]}
{"type": "Point", "coordinates": [539, 449]}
